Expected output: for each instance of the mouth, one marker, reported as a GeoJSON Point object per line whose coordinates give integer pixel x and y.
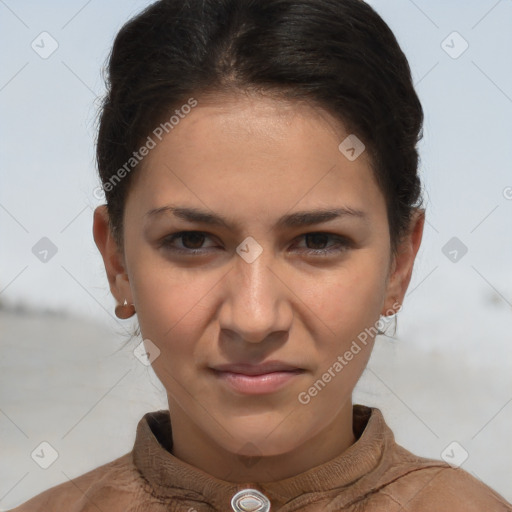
{"type": "Point", "coordinates": [251, 379]}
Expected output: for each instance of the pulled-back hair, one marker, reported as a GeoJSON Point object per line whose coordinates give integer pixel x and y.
{"type": "Point", "coordinates": [337, 54]}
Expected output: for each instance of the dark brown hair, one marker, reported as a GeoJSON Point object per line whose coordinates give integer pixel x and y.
{"type": "Point", "coordinates": [337, 54]}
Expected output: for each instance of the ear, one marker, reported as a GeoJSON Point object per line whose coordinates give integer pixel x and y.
{"type": "Point", "coordinates": [403, 261]}
{"type": "Point", "coordinates": [113, 258]}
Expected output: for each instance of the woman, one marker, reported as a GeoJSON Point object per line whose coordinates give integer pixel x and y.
{"type": "Point", "coordinates": [263, 216]}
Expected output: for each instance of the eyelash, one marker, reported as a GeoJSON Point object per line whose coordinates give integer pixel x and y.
{"type": "Point", "coordinates": [343, 244]}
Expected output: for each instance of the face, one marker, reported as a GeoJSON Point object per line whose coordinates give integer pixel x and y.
{"type": "Point", "coordinates": [263, 283]}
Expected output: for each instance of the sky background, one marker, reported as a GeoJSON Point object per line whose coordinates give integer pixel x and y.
{"type": "Point", "coordinates": [48, 109]}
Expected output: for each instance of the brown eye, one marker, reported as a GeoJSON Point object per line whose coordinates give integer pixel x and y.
{"type": "Point", "coordinates": [321, 240]}
{"type": "Point", "coordinates": [193, 238]}
{"type": "Point", "coordinates": [191, 242]}
{"type": "Point", "coordinates": [317, 239]}
{"type": "Point", "coordinates": [317, 243]}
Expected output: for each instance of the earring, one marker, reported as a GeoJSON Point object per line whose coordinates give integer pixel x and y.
{"type": "Point", "coordinates": [124, 310]}
{"type": "Point", "coordinates": [394, 312]}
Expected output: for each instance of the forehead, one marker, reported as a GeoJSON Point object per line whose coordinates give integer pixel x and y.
{"type": "Point", "coordinates": [255, 154]}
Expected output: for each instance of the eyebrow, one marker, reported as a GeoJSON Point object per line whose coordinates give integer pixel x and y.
{"type": "Point", "coordinates": [297, 219]}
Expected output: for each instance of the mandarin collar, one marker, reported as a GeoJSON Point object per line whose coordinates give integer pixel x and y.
{"type": "Point", "coordinates": [359, 467]}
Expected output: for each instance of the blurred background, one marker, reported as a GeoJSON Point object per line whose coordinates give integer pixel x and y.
{"type": "Point", "coordinates": [444, 383]}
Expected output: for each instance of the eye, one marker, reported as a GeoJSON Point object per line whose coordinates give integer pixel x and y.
{"type": "Point", "coordinates": [191, 240]}
{"type": "Point", "coordinates": [321, 239]}
{"type": "Point", "coordinates": [192, 243]}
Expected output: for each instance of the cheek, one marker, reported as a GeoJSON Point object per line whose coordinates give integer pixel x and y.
{"type": "Point", "coordinates": [169, 315]}
{"type": "Point", "coordinates": [168, 302]}
{"type": "Point", "coordinates": [347, 300]}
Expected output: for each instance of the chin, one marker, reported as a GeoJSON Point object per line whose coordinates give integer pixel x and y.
{"type": "Point", "coordinates": [261, 438]}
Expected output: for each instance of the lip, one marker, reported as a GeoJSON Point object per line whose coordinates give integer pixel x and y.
{"type": "Point", "coordinates": [256, 379]}
{"type": "Point", "coordinates": [256, 369]}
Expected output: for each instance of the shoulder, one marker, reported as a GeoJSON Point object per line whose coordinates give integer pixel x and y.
{"type": "Point", "coordinates": [404, 481]}
{"type": "Point", "coordinates": [442, 487]}
{"type": "Point", "coordinates": [453, 489]}
{"type": "Point", "coordinates": [112, 486]}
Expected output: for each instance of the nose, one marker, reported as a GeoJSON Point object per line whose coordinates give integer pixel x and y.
{"type": "Point", "coordinates": [256, 301]}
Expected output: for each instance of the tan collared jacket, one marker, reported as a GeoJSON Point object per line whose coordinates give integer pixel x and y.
{"type": "Point", "coordinates": [373, 475]}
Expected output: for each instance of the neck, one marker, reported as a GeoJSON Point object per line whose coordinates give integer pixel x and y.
{"type": "Point", "coordinates": [193, 446]}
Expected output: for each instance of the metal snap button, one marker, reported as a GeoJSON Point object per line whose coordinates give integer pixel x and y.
{"type": "Point", "coordinates": [250, 500]}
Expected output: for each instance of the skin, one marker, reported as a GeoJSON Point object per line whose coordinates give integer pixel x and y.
{"type": "Point", "coordinates": [252, 159]}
